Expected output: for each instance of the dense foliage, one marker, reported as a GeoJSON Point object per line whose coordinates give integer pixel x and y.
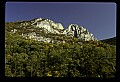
{"type": "Point", "coordinates": [29, 58]}
{"type": "Point", "coordinates": [111, 41]}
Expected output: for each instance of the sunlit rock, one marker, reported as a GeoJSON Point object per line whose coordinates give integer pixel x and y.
{"type": "Point", "coordinates": [49, 26]}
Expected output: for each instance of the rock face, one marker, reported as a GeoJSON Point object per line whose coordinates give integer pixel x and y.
{"type": "Point", "coordinates": [50, 26]}
{"type": "Point", "coordinates": [79, 32]}
{"type": "Point", "coordinates": [47, 24]}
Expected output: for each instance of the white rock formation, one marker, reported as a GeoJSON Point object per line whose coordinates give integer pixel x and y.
{"type": "Point", "coordinates": [14, 30]}
{"type": "Point", "coordinates": [59, 26]}
{"type": "Point", "coordinates": [50, 26]}
{"type": "Point", "coordinates": [79, 32]}
{"type": "Point", "coordinates": [34, 37]}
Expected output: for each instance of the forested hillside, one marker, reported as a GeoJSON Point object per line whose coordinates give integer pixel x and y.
{"type": "Point", "coordinates": [74, 58]}
{"type": "Point", "coordinates": [111, 41]}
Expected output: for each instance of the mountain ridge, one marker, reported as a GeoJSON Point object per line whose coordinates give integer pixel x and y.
{"type": "Point", "coordinates": [42, 25]}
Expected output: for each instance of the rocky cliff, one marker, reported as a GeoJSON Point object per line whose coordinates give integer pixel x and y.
{"type": "Point", "coordinates": [79, 32]}
{"type": "Point", "coordinates": [38, 27]}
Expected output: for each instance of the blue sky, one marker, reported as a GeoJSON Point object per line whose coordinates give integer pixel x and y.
{"type": "Point", "coordinates": [99, 18]}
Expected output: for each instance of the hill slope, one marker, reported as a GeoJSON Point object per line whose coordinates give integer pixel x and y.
{"type": "Point", "coordinates": [46, 30]}
{"type": "Point", "coordinates": [111, 41]}
{"type": "Point", "coordinates": [73, 58]}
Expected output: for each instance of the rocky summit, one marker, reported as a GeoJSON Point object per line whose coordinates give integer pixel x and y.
{"type": "Point", "coordinates": [40, 28]}
{"type": "Point", "coordinates": [79, 32]}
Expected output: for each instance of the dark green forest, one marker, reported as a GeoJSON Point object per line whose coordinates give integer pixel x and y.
{"type": "Point", "coordinates": [29, 58]}
{"type": "Point", "coordinates": [111, 41]}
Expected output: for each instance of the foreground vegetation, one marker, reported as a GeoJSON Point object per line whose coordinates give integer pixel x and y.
{"type": "Point", "coordinates": [29, 58]}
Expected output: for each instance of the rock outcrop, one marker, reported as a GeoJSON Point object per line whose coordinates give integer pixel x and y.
{"type": "Point", "coordinates": [50, 26]}
{"type": "Point", "coordinates": [79, 32]}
